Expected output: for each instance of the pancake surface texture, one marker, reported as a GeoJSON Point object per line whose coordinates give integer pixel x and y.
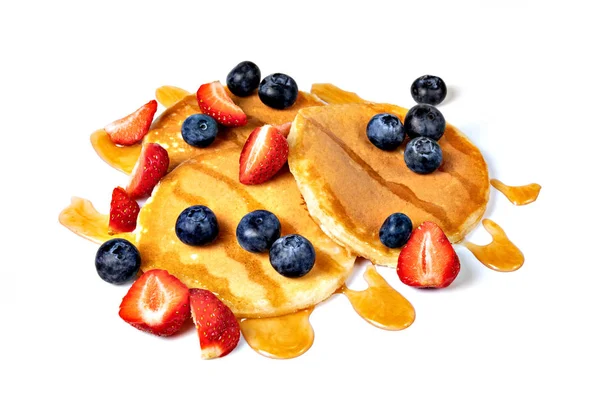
{"type": "Point", "coordinates": [166, 130]}
{"type": "Point", "coordinates": [351, 187]}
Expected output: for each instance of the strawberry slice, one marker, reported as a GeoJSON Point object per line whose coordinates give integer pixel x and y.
{"type": "Point", "coordinates": [152, 165]}
{"type": "Point", "coordinates": [264, 153]}
{"type": "Point", "coordinates": [213, 100]}
{"type": "Point", "coordinates": [131, 129]}
{"type": "Point", "coordinates": [428, 258]}
{"type": "Point", "coordinates": [123, 212]}
{"type": "Point", "coordinates": [156, 303]}
{"type": "Point", "coordinates": [217, 327]}
{"type": "Point", "coordinates": [284, 129]}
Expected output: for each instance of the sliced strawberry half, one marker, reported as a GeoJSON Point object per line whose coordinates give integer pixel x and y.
{"type": "Point", "coordinates": [264, 153]}
{"type": "Point", "coordinates": [217, 327]}
{"type": "Point", "coordinates": [284, 129]}
{"type": "Point", "coordinates": [428, 258]}
{"type": "Point", "coordinates": [152, 165]}
{"type": "Point", "coordinates": [131, 129]}
{"type": "Point", "coordinates": [123, 212]}
{"type": "Point", "coordinates": [157, 303]}
{"type": "Point", "coordinates": [213, 100]}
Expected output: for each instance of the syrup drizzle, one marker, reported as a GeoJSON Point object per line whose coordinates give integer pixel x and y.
{"type": "Point", "coordinates": [287, 336]}
{"type": "Point", "coordinates": [500, 254]}
{"type": "Point", "coordinates": [84, 220]}
{"type": "Point", "coordinates": [169, 95]}
{"type": "Point", "coordinates": [518, 195]}
{"type": "Point", "coordinates": [380, 304]}
{"type": "Point", "coordinates": [122, 158]}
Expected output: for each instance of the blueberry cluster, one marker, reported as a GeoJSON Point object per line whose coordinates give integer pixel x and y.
{"type": "Point", "coordinates": [292, 256]}
{"type": "Point", "coordinates": [424, 125]}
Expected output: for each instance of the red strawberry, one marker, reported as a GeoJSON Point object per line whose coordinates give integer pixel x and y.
{"type": "Point", "coordinates": [152, 165]}
{"type": "Point", "coordinates": [157, 303]}
{"type": "Point", "coordinates": [428, 258]}
{"type": "Point", "coordinates": [264, 153]}
{"type": "Point", "coordinates": [131, 129]}
{"type": "Point", "coordinates": [213, 100]}
{"type": "Point", "coordinates": [284, 129]}
{"type": "Point", "coordinates": [123, 212]}
{"type": "Point", "coordinates": [218, 330]}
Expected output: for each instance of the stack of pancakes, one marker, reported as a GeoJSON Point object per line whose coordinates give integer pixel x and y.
{"type": "Point", "coordinates": [337, 192]}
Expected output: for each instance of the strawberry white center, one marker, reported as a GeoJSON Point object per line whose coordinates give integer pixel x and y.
{"type": "Point", "coordinates": [426, 258]}
{"type": "Point", "coordinates": [257, 146]}
{"type": "Point", "coordinates": [154, 301]}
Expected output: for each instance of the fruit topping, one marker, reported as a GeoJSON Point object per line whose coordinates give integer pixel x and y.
{"type": "Point", "coordinates": [385, 131]}
{"type": "Point", "coordinates": [217, 327]}
{"type": "Point", "coordinates": [123, 212]}
{"type": "Point", "coordinates": [428, 89]}
{"type": "Point", "coordinates": [278, 91]}
{"type": "Point", "coordinates": [132, 128]}
{"type": "Point", "coordinates": [396, 230]}
{"type": "Point", "coordinates": [423, 155]}
{"type": "Point", "coordinates": [264, 153]}
{"type": "Point", "coordinates": [243, 79]}
{"type": "Point", "coordinates": [424, 120]}
{"type": "Point", "coordinates": [151, 166]}
{"type": "Point", "coordinates": [257, 231]}
{"type": "Point", "coordinates": [196, 226]}
{"type": "Point", "coordinates": [213, 100]}
{"type": "Point", "coordinates": [292, 256]}
{"type": "Point", "coordinates": [117, 261]}
{"type": "Point", "coordinates": [428, 259]}
{"type": "Point", "coordinates": [156, 303]}
{"type": "Point", "coordinates": [199, 130]}
{"type": "Point", "coordinates": [284, 129]}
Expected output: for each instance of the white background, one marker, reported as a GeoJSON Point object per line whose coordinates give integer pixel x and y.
{"type": "Point", "coordinates": [523, 86]}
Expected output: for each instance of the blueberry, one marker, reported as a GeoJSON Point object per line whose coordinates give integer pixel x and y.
{"type": "Point", "coordinates": [199, 130]}
{"type": "Point", "coordinates": [428, 89]}
{"type": "Point", "coordinates": [278, 91]}
{"type": "Point", "coordinates": [257, 231]}
{"type": "Point", "coordinates": [385, 131]}
{"type": "Point", "coordinates": [243, 79]}
{"type": "Point", "coordinates": [292, 256]}
{"type": "Point", "coordinates": [423, 155]}
{"type": "Point", "coordinates": [197, 225]}
{"type": "Point", "coordinates": [424, 120]}
{"type": "Point", "coordinates": [117, 261]}
{"type": "Point", "coordinates": [396, 230]}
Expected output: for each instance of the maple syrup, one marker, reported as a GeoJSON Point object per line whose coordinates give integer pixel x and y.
{"type": "Point", "coordinates": [287, 336]}
{"type": "Point", "coordinates": [122, 158]}
{"type": "Point", "coordinates": [518, 195]}
{"type": "Point", "coordinates": [84, 220]}
{"type": "Point", "coordinates": [500, 254]}
{"type": "Point", "coordinates": [169, 95]}
{"type": "Point", "coordinates": [380, 304]}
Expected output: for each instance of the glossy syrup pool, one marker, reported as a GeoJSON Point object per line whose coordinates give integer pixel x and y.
{"type": "Point", "coordinates": [518, 195]}
{"type": "Point", "coordinates": [122, 158]}
{"type": "Point", "coordinates": [500, 254]}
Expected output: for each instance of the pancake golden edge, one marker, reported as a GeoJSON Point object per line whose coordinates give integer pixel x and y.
{"type": "Point", "coordinates": [245, 281]}
{"type": "Point", "coordinates": [350, 186]}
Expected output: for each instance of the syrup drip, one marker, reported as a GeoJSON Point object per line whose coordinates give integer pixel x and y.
{"type": "Point", "coordinates": [518, 195]}
{"type": "Point", "coordinates": [84, 220]}
{"type": "Point", "coordinates": [169, 95]}
{"type": "Point", "coordinates": [122, 158]}
{"type": "Point", "coordinates": [501, 254]}
{"type": "Point", "coordinates": [380, 304]}
{"type": "Point", "coordinates": [287, 336]}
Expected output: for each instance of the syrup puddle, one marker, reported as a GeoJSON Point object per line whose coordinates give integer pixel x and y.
{"type": "Point", "coordinates": [122, 158]}
{"type": "Point", "coordinates": [287, 336]}
{"type": "Point", "coordinates": [84, 220]}
{"type": "Point", "coordinates": [500, 254]}
{"type": "Point", "coordinates": [518, 195]}
{"type": "Point", "coordinates": [380, 304]}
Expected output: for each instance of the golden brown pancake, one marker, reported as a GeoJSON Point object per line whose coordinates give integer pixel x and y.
{"type": "Point", "coordinates": [166, 130]}
{"type": "Point", "coordinates": [351, 186]}
{"type": "Point", "coordinates": [245, 281]}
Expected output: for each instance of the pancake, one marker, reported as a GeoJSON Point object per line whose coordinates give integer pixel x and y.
{"type": "Point", "coordinates": [166, 130]}
{"type": "Point", "coordinates": [245, 281]}
{"type": "Point", "coordinates": [351, 187]}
